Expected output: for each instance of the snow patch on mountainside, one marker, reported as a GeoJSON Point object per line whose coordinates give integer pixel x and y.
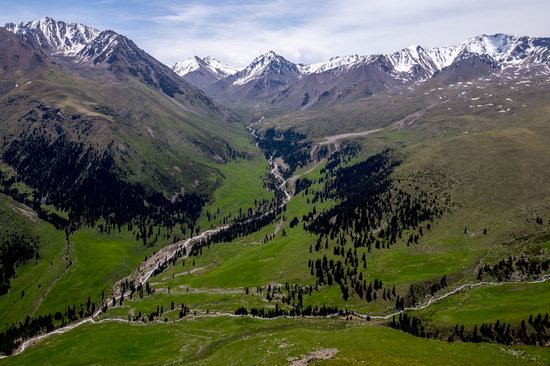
{"type": "Point", "coordinates": [219, 67]}
{"type": "Point", "coordinates": [333, 63]}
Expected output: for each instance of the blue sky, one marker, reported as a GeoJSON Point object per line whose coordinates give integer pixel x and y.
{"type": "Point", "coordinates": [301, 30]}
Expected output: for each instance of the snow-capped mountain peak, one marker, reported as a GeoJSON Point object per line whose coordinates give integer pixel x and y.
{"type": "Point", "coordinates": [203, 72]}
{"type": "Point", "coordinates": [403, 61]}
{"type": "Point", "coordinates": [211, 64]}
{"type": "Point", "coordinates": [493, 45]}
{"type": "Point", "coordinates": [57, 36]}
{"type": "Point", "coordinates": [186, 66]}
{"type": "Point", "coordinates": [266, 59]}
{"type": "Point", "coordinates": [269, 63]}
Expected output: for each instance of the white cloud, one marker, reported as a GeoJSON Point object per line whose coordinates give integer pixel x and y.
{"type": "Point", "coordinates": [302, 30]}
{"type": "Point", "coordinates": [313, 31]}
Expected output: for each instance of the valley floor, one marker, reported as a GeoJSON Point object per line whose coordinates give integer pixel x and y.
{"type": "Point", "coordinates": [188, 317]}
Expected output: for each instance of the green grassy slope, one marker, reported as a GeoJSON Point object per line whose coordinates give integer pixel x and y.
{"type": "Point", "coordinates": [33, 279]}
{"type": "Point", "coordinates": [510, 303]}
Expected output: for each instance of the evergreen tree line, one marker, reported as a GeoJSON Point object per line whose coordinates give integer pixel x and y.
{"type": "Point", "coordinates": [523, 267]}
{"type": "Point", "coordinates": [234, 154]}
{"type": "Point", "coordinates": [236, 230]}
{"type": "Point", "coordinates": [302, 184]}
{"type": "Point", "coordinates": [370, 214]}
{"type": "Point", "coordinates": [367, 202]}
{"type": "Point", "coordinates": [347, 151]}
{"type": "Point", "coordinates": [346, 274]}
{"type": "Point", "coordinates": [411, 325]}
{"type": "Point", "coordinates": [420, 291]}
{"type": "Point", "coordinates": [292, 295]}
{"type": "Point", "coordinates": [8, 187]}
{"type": "Point", "coordinates": [278, 311]}
{"type": "Point", "coordinates": [183, 311]}
{"type": "Point", "coordinates": [289, 145]}
{"type": "Point", "coordinates": [12, 337]}
{"type": "Point", "coordinates": [88, 185]}
{"type": "Point", "coordinates": [15, 250]}
{"type": "Point", "coordinates": [16, 333]}
{"type": "Point", "coordinates": [533, 332]}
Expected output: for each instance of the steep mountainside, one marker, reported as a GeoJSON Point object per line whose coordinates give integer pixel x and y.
{"type": "Point", "coordinates": [89, 51]}
{"type": "Point", "coordinates": [18, 58]}
{"type": "Point", "coordinates": [121, 116]}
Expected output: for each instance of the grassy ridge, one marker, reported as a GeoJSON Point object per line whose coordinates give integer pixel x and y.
{"type": "Point", "coordinates": [510, 303]}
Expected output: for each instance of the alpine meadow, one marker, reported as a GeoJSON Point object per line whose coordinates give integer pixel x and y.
{"type": "Point", "coordinates": [390, 206]}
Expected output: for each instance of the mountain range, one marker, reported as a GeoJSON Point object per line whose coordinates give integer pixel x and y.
{"type": "Point", "coordinates": [280, 84]}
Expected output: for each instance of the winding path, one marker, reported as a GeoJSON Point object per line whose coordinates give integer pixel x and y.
{"type": "Point", "coordinates": [431, 301]}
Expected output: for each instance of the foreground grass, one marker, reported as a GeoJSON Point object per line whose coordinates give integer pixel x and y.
{"type": "Point", "coordinates": [245, 341]}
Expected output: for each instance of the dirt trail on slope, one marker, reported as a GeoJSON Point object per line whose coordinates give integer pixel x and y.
{"type": "Point", "coordinates": [413, 117]}
{"type": "Point", "coordinates": [333, 139]}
